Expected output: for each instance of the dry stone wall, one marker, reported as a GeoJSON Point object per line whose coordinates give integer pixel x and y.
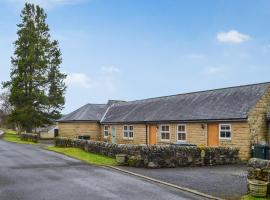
{"type": "Point", "coordinates": [259, 169]}
{"type": "Point", "coordinates": [157, 156]}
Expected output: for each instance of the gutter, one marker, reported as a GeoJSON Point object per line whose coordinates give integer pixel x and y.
{"type": "Point", "coordinates": [178, 121]}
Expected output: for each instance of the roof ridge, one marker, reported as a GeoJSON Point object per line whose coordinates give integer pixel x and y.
{"type": "Point", "coordinates": [105, 113]}
{"type": "Point", "coordinates": [103, 104]}
{"type": "Point", "coordinates": [200, 91]}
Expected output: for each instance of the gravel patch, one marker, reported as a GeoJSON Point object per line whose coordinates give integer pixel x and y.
{"type": "Point", "coordinates": [227, 181]}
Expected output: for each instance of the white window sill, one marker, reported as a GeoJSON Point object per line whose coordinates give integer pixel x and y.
{"type": "Point", "coordinates": [128, 138]}
{"type": "Point", "coordinates": [163, 140]}
{"type": "Point", "coordinates": [225, 139]}
{"type": "Point", "coordinates": [181, 141]}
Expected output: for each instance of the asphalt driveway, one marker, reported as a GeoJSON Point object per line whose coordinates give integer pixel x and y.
{"type": "Point", "coordinates": [227, 181]}
{"type": "Point", "coordinates": [30, 173]}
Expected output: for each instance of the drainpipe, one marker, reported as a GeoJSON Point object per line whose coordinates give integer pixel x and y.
{"type": "Point", "coordinates": [269, 133]}
{"type": "Point", "coordinates": [146, 130]}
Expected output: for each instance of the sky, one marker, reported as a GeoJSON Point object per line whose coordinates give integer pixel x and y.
{"type": "Point", "coordinates": [129, 50]}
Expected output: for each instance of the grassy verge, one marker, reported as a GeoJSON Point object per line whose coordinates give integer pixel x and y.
{"type": "Point", "coordinates": [249, 197]}
{"type": "Point", "coordinates": [79, 154]}
{"type": "Point", "coordinates": [13, 136]}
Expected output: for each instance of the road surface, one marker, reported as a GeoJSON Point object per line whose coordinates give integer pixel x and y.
{"type": "Point", "coordinates": [30, 173]}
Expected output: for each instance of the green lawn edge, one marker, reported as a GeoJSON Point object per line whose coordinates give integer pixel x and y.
{"type": "Point", "coordinates": [13, 136]}
{"type": "Point", "coordinates": [249, 197]}
{"type": "Point", "coordinates": [79, 154]}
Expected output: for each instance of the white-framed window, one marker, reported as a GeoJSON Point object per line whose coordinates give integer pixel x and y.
{"type": "Point", "coordinates": [106, 131]}
{"type": "Point", "coordinates": [128, 132]}
{"type": "Point", "coordinates": [165, 132]}
{"type": "Point", "coordinates": [181, 133]}
{"type": "Point", "coordinates": [225, 131]}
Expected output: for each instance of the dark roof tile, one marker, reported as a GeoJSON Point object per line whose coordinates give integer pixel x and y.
{"type": "Point", "coordinates": [88, 112]}
{"type": "Point", "coordinates": [221, 104]}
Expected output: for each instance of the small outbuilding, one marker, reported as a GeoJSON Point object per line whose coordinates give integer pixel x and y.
{"type": "Point", "coordinates": [48, 132]}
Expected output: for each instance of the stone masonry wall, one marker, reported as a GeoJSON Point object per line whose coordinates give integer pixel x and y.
{"type": "Point", "coordinates": [257, 119]}
{"type": "Point", "coordinates": [139, 131]}
{"type": "Point", "coordinates": [73, 130]}
{"type": "Point", "coordinates": [240, 138]}
{"type": "Point", "coordinates": [157, 156]}
{"type": "Point", "coordinates": [195, 133]}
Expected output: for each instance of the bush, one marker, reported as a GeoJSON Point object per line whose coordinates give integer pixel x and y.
{"type": "Point", "coordinates": [30, 137]}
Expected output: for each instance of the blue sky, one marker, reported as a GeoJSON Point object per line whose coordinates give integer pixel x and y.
{"type": "Point", "coordinates": [126, 49]}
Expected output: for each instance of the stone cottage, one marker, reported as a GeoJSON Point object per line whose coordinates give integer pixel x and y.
{"type": "Point", "coordinates": [235, 116]}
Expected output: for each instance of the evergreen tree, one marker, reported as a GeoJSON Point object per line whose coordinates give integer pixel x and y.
{"type": "Point", "coordinates": [37, 86]}
{"type": "Point", "coordinates": [5, 109]}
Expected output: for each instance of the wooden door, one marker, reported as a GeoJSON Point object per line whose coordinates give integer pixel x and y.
{"type": "Point", "coordinates": [212, 134]}
{"type": "Point", "coordinates": [152, 134]}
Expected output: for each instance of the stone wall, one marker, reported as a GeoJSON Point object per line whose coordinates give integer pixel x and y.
{"type": "Point", "coordinates": [29, 137]}
{"type": "Point", "coordinates": [195, 133]}
{"type": "Point", "coordinates": [75, 129]}
{"type": "Point", "coordinates": [139, 131]}
{"type": "Point", "coordinates": [259, 169]}
{"type": "Point", "coordinates": [257, 120]}
{"type": "Point", "coordinates": [157, 156]}
{"type": "Point", "coordinates": [240, 138]}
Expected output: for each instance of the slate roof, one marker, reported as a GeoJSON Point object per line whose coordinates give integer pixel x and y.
{"type": "Point", "coordinates": [88, 112]}
{"type": "Point", "coordinates": [231, 103]}
{"type": "Point", "coordinates": [45, 129]}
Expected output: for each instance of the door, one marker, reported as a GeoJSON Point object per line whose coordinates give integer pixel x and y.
{"type": "Point", "coordinates": [212, 134]}
{"type": "Point", "coordinates": [152, 134]}
{"type": "Point", "coordinates": [113, 134]}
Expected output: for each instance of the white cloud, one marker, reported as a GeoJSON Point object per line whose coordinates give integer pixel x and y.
{"type": "Point", "coordinates": [266, 48]}
{"type": "Point", "coordinates": [105, 81]}
{"type": "Point", "coordinates": [108, 78]}
{"type": "Point", "coordinates": [214, 70]}
{"type": "Point", "coordinates": [78, 80]}
{"type": "Point", "coordinates": [45, 3]}
{"type": "Point", "coordinates": [232, 36]}
{"type": "Point", "coordinates": [110, 69]}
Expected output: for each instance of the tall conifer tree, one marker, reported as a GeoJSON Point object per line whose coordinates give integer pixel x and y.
{"type": "Point", "coordinates": [37, 85]}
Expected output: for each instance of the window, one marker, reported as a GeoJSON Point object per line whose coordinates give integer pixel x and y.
{"type": "Point", "coordinates": [181, 132]}
{"type": "Point", "coordinates": [225, 131]}
{"type": "Point", "coordinates": [128, 132]}
{"type": "Point", "coordinates": [165, 132]}
{"type": "Point", "coordinates": [106, 131]}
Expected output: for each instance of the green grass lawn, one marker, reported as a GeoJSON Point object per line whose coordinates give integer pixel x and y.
{"type": "Point", "coordinates": [249, 197]}
{"type": "Point", "coordinates": [13, 136]}
{"type": "Point", "coordinates": [79, 154]}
